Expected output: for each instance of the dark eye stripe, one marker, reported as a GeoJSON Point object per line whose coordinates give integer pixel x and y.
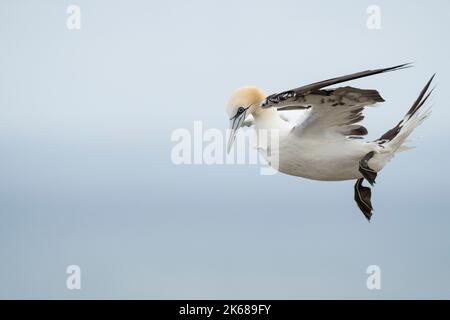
{"type": "Point", "coordinates": [239, 112]}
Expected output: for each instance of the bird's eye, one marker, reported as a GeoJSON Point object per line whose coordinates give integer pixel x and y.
{"type": "Point", "coordinates": [241, 109]}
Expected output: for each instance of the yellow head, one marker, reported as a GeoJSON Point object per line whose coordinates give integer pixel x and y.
{"type": "Point", "coordinates": [244, 102]}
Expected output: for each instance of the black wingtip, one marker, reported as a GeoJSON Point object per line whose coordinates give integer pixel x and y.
{"type": "Point", "coordinates": [424, 90]}
{"type": "Point", "coordinates": [399, 67]}
{"type": "Point", "coordinates": [422, 98]}
{"type": "Point", "coordinates": [431, 80]}
{"type": "Point", "coordinates": [432, 77]}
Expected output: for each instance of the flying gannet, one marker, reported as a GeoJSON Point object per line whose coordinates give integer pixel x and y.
{"type": "Point", "coordinates": [325, 141]}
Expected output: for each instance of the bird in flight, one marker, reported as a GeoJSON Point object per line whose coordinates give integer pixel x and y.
{"type": "Point", "coordinates": [324, 140]}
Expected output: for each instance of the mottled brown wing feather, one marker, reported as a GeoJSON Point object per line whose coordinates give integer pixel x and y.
{"type": "Point", "coordinates": [331, 109]}
{"type": "Point", "coordinates": [287, 98]}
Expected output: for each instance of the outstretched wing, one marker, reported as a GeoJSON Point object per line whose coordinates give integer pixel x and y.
{"type": "Point", "coordinates": [330, 110]}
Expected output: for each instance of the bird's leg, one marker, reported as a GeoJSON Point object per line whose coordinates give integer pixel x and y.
{"type": "Point", "coordinates": [365, 170]}
{"type": "Point", "coordinates": [362, 198]}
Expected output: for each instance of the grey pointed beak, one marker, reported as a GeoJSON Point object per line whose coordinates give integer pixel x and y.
{"type": "Point", "coordinates": [235, 123]}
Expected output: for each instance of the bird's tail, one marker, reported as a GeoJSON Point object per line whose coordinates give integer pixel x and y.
{"type": "Point", "coordinates": [394, 139]}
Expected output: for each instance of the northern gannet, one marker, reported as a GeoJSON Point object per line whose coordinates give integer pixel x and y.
{"type": "Point", "coordinates": [325, 141]}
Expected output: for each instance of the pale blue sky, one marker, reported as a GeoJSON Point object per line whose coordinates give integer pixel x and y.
{"type": "Point", "coordinates": [85, 170]}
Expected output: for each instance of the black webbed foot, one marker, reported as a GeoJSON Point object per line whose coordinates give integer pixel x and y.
{"type": "Point", "coordinates": [368, 173]}
{"type": "Point", "coordinates": [362, 198]}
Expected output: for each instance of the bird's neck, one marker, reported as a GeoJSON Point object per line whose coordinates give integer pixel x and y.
{"type": "Point", "coordinates": [266, 118]}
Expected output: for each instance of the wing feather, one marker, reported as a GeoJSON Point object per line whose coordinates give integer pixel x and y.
{"type": "Point", "coordinates": [337, 111]}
